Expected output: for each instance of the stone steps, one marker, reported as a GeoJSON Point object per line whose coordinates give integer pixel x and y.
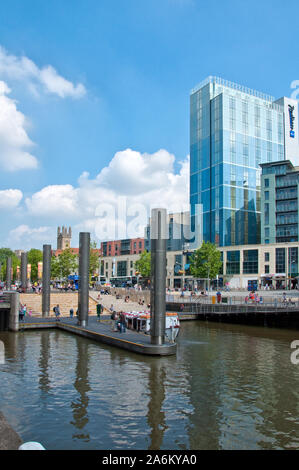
{"type": "Point", "coordinates": [65, 301]}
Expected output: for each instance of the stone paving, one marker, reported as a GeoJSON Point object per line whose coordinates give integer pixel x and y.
{"type": "Point", "coordinates": [9, 439]}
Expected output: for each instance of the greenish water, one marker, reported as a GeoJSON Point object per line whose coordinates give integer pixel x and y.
{"type": "Point", "coordinates": [229, 387]}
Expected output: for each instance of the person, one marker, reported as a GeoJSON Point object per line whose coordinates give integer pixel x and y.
{"type": "Point", "coordinates": [99, 311]}
{"type": "Point", "coordinates": [122, 321]}
{"type": "Point", "coordinates": [113, 315]}
{"type": "Point", "coordinates": [116, 321]}
{"type": "Point", "coordinates": [24, 310]}
{"type": "Point", "coordinates": [284, 298]}
{"type": "Point", "coordinates": [71, 313]}
{"type": "Point", "coordinates": [21, 313]}
{"type": "Point", "coordinates": [218, 297]}
{"type": "Point", "coordinates": [57, 312]}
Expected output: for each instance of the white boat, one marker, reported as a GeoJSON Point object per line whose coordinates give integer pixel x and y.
{"type": "Point", "coordinates": [140, 321]}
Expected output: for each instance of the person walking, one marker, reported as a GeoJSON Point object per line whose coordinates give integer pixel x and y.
{"type": "Point", "coordinates": [71, 313]}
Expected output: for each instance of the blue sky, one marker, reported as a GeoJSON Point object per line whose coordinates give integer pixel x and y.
{"type": "Point", "coordinates": [125, 70]}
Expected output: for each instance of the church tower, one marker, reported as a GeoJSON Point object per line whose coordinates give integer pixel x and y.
{"type": "Point", "coordinates": [64, 237]}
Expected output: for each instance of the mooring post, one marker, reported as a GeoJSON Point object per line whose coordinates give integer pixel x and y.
{"type": "Point", "coordinates": [8, 273]}
{"type": "Point", "coordinates": [14, 311]}
{"type": "Point", "coordinates": [24, 270]}
{"type": "Point", "coordinates": [158, 233]}
{"type": "Point", "coordinates": [83, 297]}
{"type": "Point", "coordinates": [46, 280]}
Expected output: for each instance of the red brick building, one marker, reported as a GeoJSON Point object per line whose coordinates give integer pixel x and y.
{"type": "Point", "coordinates": [130, 246]}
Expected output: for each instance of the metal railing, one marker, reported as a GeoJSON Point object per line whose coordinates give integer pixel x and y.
{"type": "Point", "coordinates": [292, 303]}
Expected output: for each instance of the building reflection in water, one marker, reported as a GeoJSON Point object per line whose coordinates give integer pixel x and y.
{"type": "Point", "coordinates": [81, 384]}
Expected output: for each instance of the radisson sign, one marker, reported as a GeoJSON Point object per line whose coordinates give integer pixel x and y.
{"type": "Point", "coordinates": [292, 119]}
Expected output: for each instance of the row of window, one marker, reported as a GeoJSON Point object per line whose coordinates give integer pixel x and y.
{"type": "Point", "coordinates": [250, 261]}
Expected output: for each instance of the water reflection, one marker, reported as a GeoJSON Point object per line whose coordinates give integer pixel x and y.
{"type": "Point", "coordinates": [229, 387]}
{"type": "Point", "coordinates": [155, 415]}
{"type": "Point", "coordinates": [81, 384]}
{"type": "Point", "coordinates": [44, 357]}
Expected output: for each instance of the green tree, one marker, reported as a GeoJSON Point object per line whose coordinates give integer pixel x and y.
{"type": "Point", "coordinates": [55, 268]}
{"type": "Point", "coordinates": [4, 254]}
{"type": "Point", "coordinates": [63, 265]}
{"type": "Point", "coordinates": [143, 264]}
{"type": "Point", "coordinates": [34, 256]}
{"type": "Point", "coordinates": [206, 261]}
{"type": "Point", "coordinates": [94, 261]}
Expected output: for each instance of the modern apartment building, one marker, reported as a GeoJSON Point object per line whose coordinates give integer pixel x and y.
{"type": "Point", "coordinates": [279, 202]}
{"type": "Point", "coordinates": [180, 236]}
{"type": "Point", "coordinates": [233, 129]}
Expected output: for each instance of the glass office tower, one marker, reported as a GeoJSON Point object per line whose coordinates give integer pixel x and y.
{"type": "Point", "coordinates": [232, 130]}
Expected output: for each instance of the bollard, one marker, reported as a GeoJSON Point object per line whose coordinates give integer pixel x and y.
{"type": "Point", "coordinates": [46, 280]}
{"type": "Point", "coordinates": [83, 296]}
{"type": "Point", "coordinates": [8, 273]}
{"type": "Point", "coordinates": [158, 275]}
{"type": "Point", "coordinates": [24, 270]}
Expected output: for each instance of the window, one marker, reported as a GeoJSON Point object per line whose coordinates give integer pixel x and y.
{"type": "Point", "coordinates": [267, 257]}
{"type": "Point", "coordinates": [266, 195]}
{"type": "Point", "coordinates": [250, 261]}
{"type": "Point", "coordinates": [266, 211]}
{"type": "Point", "coordinates": [266, 181]}
{"type": "Point", "coordinates": [267, 268]}
{"type": "Point", "coordinates": [233, 262]}
{"type": "Point", "coordinates": [280, 260]}
{"type": "Point", "coordinates": [121, 268]}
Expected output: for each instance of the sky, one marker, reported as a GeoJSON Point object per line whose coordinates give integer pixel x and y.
{"type": "Point", "coordinates": [94, 104]}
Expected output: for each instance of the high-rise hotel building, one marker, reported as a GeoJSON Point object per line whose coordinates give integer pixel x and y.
{"type": "Point", "coordinates": [234, 129]}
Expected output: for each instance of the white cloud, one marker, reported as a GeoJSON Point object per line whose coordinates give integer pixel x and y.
{"type": "Point", "coordinates": [14, 141]}
{"type": "Point", "coordinates": [10, 198]}
{"type": "Point", "coordinates": [131, 182]}
{"type": "Point", "coordinates": [26, 237]}
{"type": "Point", "coordinates": [53, 200]}
{"type": "Point", "coordinates": [24, 69]}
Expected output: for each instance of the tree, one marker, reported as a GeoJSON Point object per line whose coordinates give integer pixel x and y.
{"type": "Point", "coordinates": [63, 265]}
{"type": "Point", "coordinates": [94, 261]}
{"type": "Point", "coordinates": [34, 256]}
{"type": "Point", "coordinates": [4, 254]}
{"type": "Point", "coordinates": [206, 261]}
{"type": "Point", "coordinates": [143, 264]}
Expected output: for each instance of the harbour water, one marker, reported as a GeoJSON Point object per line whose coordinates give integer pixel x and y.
{"type": "Point", "coordinates": [228, 387]}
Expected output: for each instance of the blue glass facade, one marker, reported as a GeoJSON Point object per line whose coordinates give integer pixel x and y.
{"type": "Point", "coordinates": [232, 131]}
